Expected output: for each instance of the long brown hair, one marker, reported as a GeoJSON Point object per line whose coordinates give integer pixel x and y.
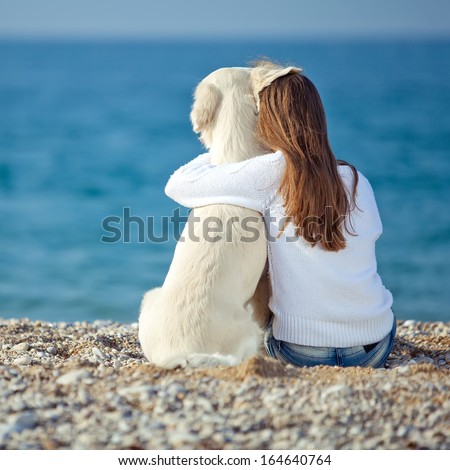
{"type": "Point", "coordinates": [292, 119]}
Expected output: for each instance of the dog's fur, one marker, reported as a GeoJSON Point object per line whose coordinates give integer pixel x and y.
{"type": "Point", "coordinates": [209, 310]}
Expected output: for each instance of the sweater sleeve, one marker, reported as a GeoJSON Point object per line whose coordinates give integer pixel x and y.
{"type": "Point", "coordinates": [251, 183]}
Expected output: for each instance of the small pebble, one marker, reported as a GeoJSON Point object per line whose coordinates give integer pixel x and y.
{"type": "Point", "coordinates": [99, 353]}
{"type": "Point", "coordinates": [18, 423]}
{"type": "Point", "coordinates": [424, 360]}
{"type": "Point", "coordinates": [72, 377]}
{"type": "Point", "coordinates": [21, 347]}
{"type": "Point", "coordinates": [23, 361]}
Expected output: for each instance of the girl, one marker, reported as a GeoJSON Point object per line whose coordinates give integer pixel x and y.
{"type": "Point", "coordinates": [328, 302]}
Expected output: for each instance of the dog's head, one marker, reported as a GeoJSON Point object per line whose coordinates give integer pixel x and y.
{"type": "Point", "coordinates": [213, 100]}
{"type": "Point", "coordinates": [232, 96]}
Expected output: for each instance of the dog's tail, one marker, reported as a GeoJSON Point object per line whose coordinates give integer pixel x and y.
{"type": "Point", "coordinates": [201, 360]}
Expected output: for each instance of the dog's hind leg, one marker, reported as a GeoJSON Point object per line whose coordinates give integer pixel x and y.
{"type": "Point", "coordinates": [146, 322]}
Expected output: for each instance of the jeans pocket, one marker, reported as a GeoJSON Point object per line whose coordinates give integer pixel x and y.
{"type": "Point", "coordinates": [310, 357]}
{"type": "Point", "coordinates": [378, 356]}
{"type": "Point", "coordinates": [286, 359]}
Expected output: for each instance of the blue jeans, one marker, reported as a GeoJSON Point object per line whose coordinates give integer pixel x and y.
{"type": "Point", "coordinates": [370, 355]}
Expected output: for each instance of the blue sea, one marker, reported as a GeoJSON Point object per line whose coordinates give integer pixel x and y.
{"type": "Point", "coordinates": [89, 129]}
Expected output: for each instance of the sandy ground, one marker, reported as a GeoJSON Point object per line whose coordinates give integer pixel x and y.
{"type": "Point", "coordinates": [87, 386]}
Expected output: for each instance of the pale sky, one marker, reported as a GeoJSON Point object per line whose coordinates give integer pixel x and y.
{"type": "Point", "coordinates": [223, 18]}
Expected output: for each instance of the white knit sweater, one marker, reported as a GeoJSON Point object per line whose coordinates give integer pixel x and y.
{"type": "Point", "coordinates": [319, 298]}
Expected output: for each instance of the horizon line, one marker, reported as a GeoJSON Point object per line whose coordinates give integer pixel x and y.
{"type": "Point", "coordinates": [435, 36]}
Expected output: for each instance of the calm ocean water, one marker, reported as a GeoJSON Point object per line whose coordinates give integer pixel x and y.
{"type": "Point", "coordinates": [87, 129]}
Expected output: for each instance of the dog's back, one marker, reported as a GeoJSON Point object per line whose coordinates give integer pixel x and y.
{"type": "Point", "coordinates": [203, 306]}
{"type": "Point", "coordinates": [203, 313]}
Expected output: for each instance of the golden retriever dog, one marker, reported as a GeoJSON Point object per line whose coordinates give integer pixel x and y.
{"type": "Point", "coordinates": [213, 304]}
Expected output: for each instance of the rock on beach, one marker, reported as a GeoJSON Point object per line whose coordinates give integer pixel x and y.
{"type": "Point", "coordinates": [87, 386]}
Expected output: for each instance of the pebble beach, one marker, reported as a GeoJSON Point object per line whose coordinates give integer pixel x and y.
{"type": "Point", "coordinates": [87, 386]}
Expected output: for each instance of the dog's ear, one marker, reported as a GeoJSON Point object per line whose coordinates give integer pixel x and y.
{"type": "Point", "coordinates": [207, 99]}
{"type": "Point", "coordinates": [264, 73]}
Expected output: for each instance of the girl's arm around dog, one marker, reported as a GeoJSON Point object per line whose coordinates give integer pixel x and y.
{"type": "Point", "coordinates": [252, 183]}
